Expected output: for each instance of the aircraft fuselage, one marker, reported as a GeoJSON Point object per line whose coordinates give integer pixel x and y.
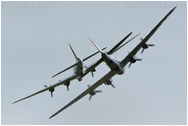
{"type": "Point", "coordinates": [78, 69]}
{"type": "Point", "coordinates": [113, 63]}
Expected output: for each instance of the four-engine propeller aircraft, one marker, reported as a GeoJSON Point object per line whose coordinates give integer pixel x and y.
{"type": "Point", "coordinates": [107, 54]}
{"type": "Point", "coordinates": [117, 67]}
{"type": "Point", "coordinates": [78, 70]}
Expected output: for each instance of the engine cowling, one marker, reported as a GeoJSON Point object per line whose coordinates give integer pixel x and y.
{"type": "Point", "coordinates": [93, 92]}
{"type": "Point", "coordinates": [67, 83]}
{"type": "Point", "coordinates": [145, 46]}
{"type": "Point", "coordinates": [51, 90]}
{"type": "Point", "coordinates": [133, 59]}
{"type": "Point", "coordinates": [108, 81]}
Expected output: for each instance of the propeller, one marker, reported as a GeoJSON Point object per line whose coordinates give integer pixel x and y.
{"type": "Point", "coordinates": [93, 92]}
{"type": "Point", "coordinates": [51, 94]}
{"type": "Point", "coordinates": [90, 97]}
{"type": "Point", "coordinates": [67, 88]}
{"type": "Point", "coordinates": [112, 85]}
{"type": "Point", "coordinates": [51, 90]}
{"type": "Point", "coordinates": [133, 60]}
{"type": "Point", "coordinates": [92, 72]}
{"type": "Point", "coordinates": [145, 46]}
{"type": "Point", "coordinates": [67, 84]}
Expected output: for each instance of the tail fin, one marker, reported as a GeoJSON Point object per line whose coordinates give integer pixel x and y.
{"type": "Point", "coordinates": [96, 45]}
{"type": "Point", "coordinates": [76, 57]}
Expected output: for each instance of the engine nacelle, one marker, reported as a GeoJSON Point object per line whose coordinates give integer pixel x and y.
{"type": "Point", "coordinates": [108, 81]}
{"type": "Point", "coordinates": [145, 46]}
{"type": "Point", "coordinates": [133, 59]}
{"type": "Point", "coordinates": [52, 89]}
{"type": "Point", "coordinates": [67, 83]}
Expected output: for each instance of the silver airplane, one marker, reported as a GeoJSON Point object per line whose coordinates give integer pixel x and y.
{"type": "Point", "coordinates": [107, 56]}
{"type": "Point", "coordinates": [117, 67]}
{"type": "Point", "coordinates": [78, 71]}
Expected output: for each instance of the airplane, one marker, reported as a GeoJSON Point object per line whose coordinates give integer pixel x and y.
{"type": "Point", "coordinates": [78, 71]}
{"type": "Point", "coordinates": [107, 56]}
{"type": "Point", "coordinates": [91, 68]}
{"type": "Point", "coordinates": [118, 66]}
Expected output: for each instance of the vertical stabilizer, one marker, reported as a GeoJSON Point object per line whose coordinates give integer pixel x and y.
{"type": "Point", "coordinates": [76, 57]}
{"type": "Point", "coordinates": [95, 45]}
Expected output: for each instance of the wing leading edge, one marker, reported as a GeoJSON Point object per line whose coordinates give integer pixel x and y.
{"type": "Point", "coordinates": [137, 48]}
{"type": "Point", "coordinates": [94, 86]}
{"type": "Point", "coordinates": [53, 86]}
{"type": "Point", "coordinates": [113, 50]}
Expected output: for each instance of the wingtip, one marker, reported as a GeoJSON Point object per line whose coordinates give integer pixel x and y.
{"type": "Point", "coordinates": [51, 117]}
{"type": "Point", "coordinates": [70, 45]}
{"type": "Point", "coordinates": [14, 102]}
{"type": "Point", "coordinates": [174, 8]}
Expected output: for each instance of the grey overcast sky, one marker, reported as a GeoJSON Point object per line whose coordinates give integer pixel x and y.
{"type": "Point", "coordinates": [35, 38]}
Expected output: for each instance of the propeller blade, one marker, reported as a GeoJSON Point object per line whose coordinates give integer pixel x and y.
{"type": "Point", "coordinates": [98, 91]}
{"type": "Point", "coordinates": [90, 97]}
{"type": "Point", "coordinates": [130, 65]}
{"type": "Point", "coordinates": [151, 44]}
{"type": "Point", "coordinates": [92, 74]}
{"type": "Point", "coordinates": [142, 51]}
{"type": "Point", "coordinates": [67, 88]}
{"type": "Point", "coordinates": [112, 85]}
{"type": "Point", "coordinates": [51, 94]}
{"type": "Point", "coordinates": [138, 59]}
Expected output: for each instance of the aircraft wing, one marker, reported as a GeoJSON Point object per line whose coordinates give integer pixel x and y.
{"type": "Point", "coordinates": [53, 86]}
{"type": "Point", "coordinates": [90, 68]}
{"type": "Point", "coordinates": [94, 86]}
{"type": "Point", "coordinates": [119, 43]}
{"type": "Point", "coordinates": [114, 49]}
{"type": "Point", "coordinates": [92, 55]}
{"type": "Point", "coordinates": [64, 70]}
{"type": "Point", "coordinates": [76, 63]}
{"type": "Point", "coordinates": [137, 48]}
{"type": "Point", "coordinates": [126, 42]}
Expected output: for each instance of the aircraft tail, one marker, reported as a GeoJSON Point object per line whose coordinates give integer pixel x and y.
{"type": "Point", "coordinates": [100, 50]}
{"type": "Point", "coordinates": [76, 57]}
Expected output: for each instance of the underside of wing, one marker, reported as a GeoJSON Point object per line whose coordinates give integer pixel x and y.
{"type": "Point", "coordinates": [90, 68]}
{"type": "Point", "coordinates": [94, 86]}
{"type": "Point", "coordinates": [76, 63]}
{"type": "Point", "coordinates": [139, 46]}
{"type": "Point", "coordinates": [65, 70]}
{"type": "Point", "coordinates": [48, 88]}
